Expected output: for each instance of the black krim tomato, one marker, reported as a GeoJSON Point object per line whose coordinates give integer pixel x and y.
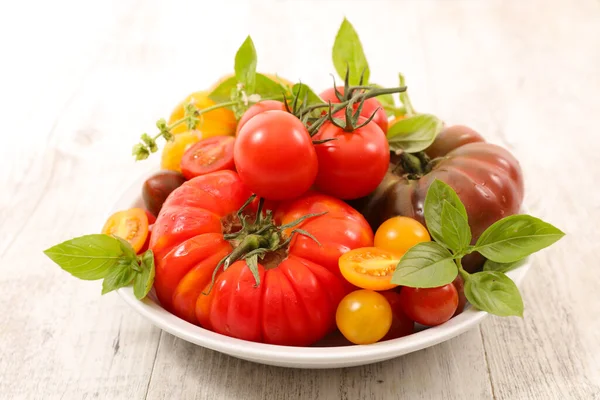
{"type": "Point", "coordinates": [486, 177]}
{"type": "Point", "coordinates": [158, 187]}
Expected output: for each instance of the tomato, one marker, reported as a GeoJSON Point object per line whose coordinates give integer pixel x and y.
{"type": "Point", "coordinates": [259, 108]}
{"type": "Point", "coordinates": [369, 268]}
{"type": "Point", "coordinates": [370, 106]}
{"type": "Point", "coordinates": [300, 285]}
{"type": "Point", "coordinates": [429, 306]}
{"type": "Point", "coordinates": [157, 188]}
{"type": "Point", "coordinates": [131, 225]}
{"type": "Point", "coordinates": [218, 122]}
{"type": "Point", "coordinates": [401, 324]}
{"type": "Point", "coordinates": [364, 317]}
{"type": "Point", "coordinates": [459, 284]}
{"type": "Point", "coordinates": [151, 217]}
{"type": "Point", "coordinates": [398, 234]}
{"type": "Point", "coordinates": [274, 156]}
{"type": "Point", "coordinates": [176, 148]}
{"type": "Point", "coordinates": [486, 177]}
{"type": "Point", "coordinates": [208, 155]}
{"type": "Point", "coordinates": [352, 165]}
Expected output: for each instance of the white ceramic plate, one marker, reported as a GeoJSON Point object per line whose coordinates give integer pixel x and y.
{"type": "Point", "coordinates": [295, 357]}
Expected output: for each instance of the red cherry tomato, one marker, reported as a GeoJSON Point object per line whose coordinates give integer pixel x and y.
{"type": "Point", "coordinates": [401, 324]}
{"type": "Point", "coordinates": [259, 108]}
{"type": "Point", "coordinates": [354, 164]}
{"type": "Point", "coordinates": [459, 284]}
{"type": "Point", "coordinates": [369, 107]}
{"type": "Point", "coordinates": [274, 156]}
{"type": "Point", "coordinates": [429, 306]}
{"type": "Point", "coordinates": [208, 155]}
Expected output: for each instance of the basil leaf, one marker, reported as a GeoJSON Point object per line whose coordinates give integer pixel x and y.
{"type": "Point", "coordinates": [245, 65]}
{"type": "Point", "coordinates": [222, 93]}
{"type": "Point", "coordinates": [145, 279]}
{"type": "Point", "coordinates": [87, 257]}
{"type": "Point", "coordinates": [388, 103]}
{"type": "Point", "coordinates": [490, 265]}
{"type": "Point", "coordinates": [438, 193]}
{"type": "Point", "coordinates": [303, 91]}
{"type": "Point", "coordinates": [348, 56]}
{"type": "Point", "coordinates": [267, 87]}
{"type": "Point", "coordinates": [128, 250]}
{"type": "Point", "coordinates": [425, 265]}
{"type": "Point", "coordinates": [414, 134]}
{"type": "Point", "coordinates": [252, 263]}
{"type": "Point", "coordinates": [515, 237]}
{"type": "Point", "coordinates": [118, 276]}
{"type": "Point", "coordinates": [495, 293]}
{"type": "Point", "coordinates": [403, 96]}
{"type": "Point", "coordinates": [456, 233]}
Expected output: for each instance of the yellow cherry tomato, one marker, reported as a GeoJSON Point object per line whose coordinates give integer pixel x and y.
{"type": "Point", "coordinates": [131, 225]}
{"type": "Point", "coordinates": [398, 234]}
{"type": "Point", "coordinates": [364, 317]}
{"type": "Point", "coordinates": [369, 268]}
{"type": "Point", "coordinates": [174, 149]}
{"type": "Point", "coordinates": [219, 122]}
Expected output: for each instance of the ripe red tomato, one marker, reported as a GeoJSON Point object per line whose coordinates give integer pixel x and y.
{"type": "Point", "coordinates": [208, 155]}
{"type": "Point", "coordinates": [259, 108]}
{"type": "Point", "coordinates": [459, 284]}
{"type": "Point", "coordinates": [429, 306]}
{"type": "Point", "coordinates": [275, 157]}
{"type": "Point", "coordinates": [354, 164]}
{"type": "Point", "coordinates": [299, 289]}
{"type": "Point", "coordinates": [401, 324]}
{"type": "Point", "coordinates": [369, 107]}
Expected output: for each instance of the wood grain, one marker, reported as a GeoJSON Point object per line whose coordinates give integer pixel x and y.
{"type": "Point", "coordinates": [85, 79]}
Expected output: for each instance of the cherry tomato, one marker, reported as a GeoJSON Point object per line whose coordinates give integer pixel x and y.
{"type": "Point", "coordinates": [275, 157]}
{"type": "Point", "coordinates": [369, 268]}
{"type": "Point", "coordinates": [218, 122]}
{"type": "Point", "coordinates": [459, 284]}
{"type": "Point", "coordinates": [158, 187]}
{"type": "Point", "coordinates": [151, 218]}
{"type": "Point", "coordinates": [398, 234]}
{"type": "Point", "coordinates": [364, 317]}
{"type": "Point", "coordinates": [208, 155]}
{"type": "Point", "coordinates": [401, 324]}
{"type": "Point", "coordinates": [259, 108]}
{"type": "Point", "coordinates": [369, 107]}
{"type": "Point", "coordinates": [354, 164]}
{"type": "Point", "coordinates": [174, 150]}
{"type": "Point", "coordinates": [429, 306]}
{"type": "Point", "coordinates": [131, 225]}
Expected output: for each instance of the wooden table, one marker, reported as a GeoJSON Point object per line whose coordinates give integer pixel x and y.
{"type": "Point", "coordinates": [81, 81]}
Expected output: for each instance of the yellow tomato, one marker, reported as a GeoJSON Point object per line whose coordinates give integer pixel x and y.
{"type": "Point", "coordinates": [218, 122]}
{"type": "Point", "coordinates": [173, 150]}
{"type": "Point", "coordinates": [364, 317]}
{"type": "Point", "coordinates": [398, 234]}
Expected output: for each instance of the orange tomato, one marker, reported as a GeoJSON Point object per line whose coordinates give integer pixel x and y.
{"type": "Point", "coordinates": [131, 225]}
{"type": "Point", "coordinates": [364, 317]}
{"type": "Point", "coordinates": [214, 123]}
{"type": "Point", "coordinates": [398, 234]}
{"type": "Point", "coordinates": [369, 268]}
{"type": "Point", "coordinates": [174, 149]}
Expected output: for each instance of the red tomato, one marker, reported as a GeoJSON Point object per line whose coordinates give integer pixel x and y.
{"type": "Point", "coordinates": [459, 284]}
{"type": "Point", "coordinates": [275, 157]}
{"type": "Point", "coordinates": [208, 155]}
{"type": "Point", "coordinates": [299, 290]}
{"type": "Point", "coordinates": [259, 108]}
{"type": "Point", "coordinates": [401, 324]}
{"type": "Point", "coordinates": [429, 306]}
{"type": "Point", "coordinates": [369, 107]}
{"type": "Point", "coordinates": [354, 164]}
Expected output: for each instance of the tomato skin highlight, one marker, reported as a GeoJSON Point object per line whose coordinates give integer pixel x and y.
{"type": "Point", "coordinates": [208, 155]}
{"type": "Point", "coordinates": [259, 108]}
{"type": "Point", "coordinates": [131, 225]}
{"type": "Point", "coordinates": [370, 106]}
{"type": "Point", "coordinates": [364, 317]}
{"type": "Point", "coordinates": [398, 234]}
{"type": "Point", "coordinates": [429, 306]}
{"type": "Point", "coordinates": [352, 165]}
{"type": "Point", "coordinates": [275, 157]}
{"type": "Point", "coordinates": [369, 268]}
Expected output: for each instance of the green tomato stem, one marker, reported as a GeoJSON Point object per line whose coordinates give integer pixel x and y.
{"type": "Point", "coordinates": [465, 275]}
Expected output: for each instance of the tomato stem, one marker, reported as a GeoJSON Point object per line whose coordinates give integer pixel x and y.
{"type": "Point", "coordinates": [465, 275]}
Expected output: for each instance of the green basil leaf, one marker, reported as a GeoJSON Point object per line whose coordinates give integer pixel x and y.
{"type": "Point", "coordinates": [252, 263]}
{"type": "Point", "coordinates": [388, 103]}
{"type": "Point", "coordinates": [305, 91]}
{"type": "Point", "coordinates": [414, 134]}
{"type": "Point", "coordinates": [222, 93]}
{"type": "Point", "coordinates": [118, 276]}
{"type": "Point", "coordinates": [128, 250]}
{"type": "Point", "coordinates": [495, 293]}
{"type": "Point", "coordinates": [438, 193]}
{"type": "Point", "coordinates": [515, 237]}
{"type": "Point", "coordinates": [145, 279]}
{"type": "Point", "coordinates": [404, 98]}
{"type": "Point", "coordinates": [87, 257]}
{"type": "Point", "coordinates": [245, 65]}
{"type": "Point", "coordinates": [456, 232]}
{"type": "Point", "coordinates": [425, 265]}
{"type": "Point", "coordinates": [348, 55]}
{"type": "Point", "coordinates": [490, 265]}
{"type": "Point", "coordinates": [267, 87]}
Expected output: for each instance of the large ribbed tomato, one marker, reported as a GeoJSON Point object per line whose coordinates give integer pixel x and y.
{"type": "Point", "coordinates": [300, 287]}
{"type": "Point", "coordinates": [486, 177]}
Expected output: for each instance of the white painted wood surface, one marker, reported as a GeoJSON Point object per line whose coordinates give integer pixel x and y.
{"type": "Point", "coordinates": [81, 80]}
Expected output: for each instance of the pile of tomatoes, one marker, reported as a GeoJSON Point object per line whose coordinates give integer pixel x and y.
{"type": "Point", "coordinates": [263, 232]}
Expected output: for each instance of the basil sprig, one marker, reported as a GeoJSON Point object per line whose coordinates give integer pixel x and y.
{"type": "Point", "coordinates": [505, 244]}
{"type": "Point", "coordinates": [99, 256]}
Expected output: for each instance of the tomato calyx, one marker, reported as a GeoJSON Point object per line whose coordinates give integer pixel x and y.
{"type": "Point", "coordinates": [414, 165]}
